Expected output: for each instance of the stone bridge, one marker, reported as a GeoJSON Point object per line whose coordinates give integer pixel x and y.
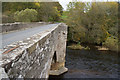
{"type": "Point", "coordinates": [38, 56]}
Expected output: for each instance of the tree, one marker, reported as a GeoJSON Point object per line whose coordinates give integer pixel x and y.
{"type": "Point", "coordinates": [92, 22]}
{"type": "Point", "coordinates": [47, 11]}
{"type": "Point", "coordinates": [50, 11]}
{"type": "Point", "coordinates": [27, 15]}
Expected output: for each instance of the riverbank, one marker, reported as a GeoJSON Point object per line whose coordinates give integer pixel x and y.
{"type": "Point", "coordinates": [87, 46]}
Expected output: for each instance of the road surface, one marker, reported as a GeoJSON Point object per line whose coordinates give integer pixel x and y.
{"type": "Point", "coordinates": [23, 34]}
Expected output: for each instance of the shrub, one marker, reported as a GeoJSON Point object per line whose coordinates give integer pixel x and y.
{"type": "Point", "coordinates": [111, 43]}
{"type": "Point", "coordinates": [27, 15]}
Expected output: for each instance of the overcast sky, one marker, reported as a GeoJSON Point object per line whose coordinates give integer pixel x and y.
{"type": "Point", "coordinates": [65, 2]}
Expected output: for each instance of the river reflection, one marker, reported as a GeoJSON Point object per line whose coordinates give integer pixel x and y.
{"type": "Point", "coordinates": [90, 64]}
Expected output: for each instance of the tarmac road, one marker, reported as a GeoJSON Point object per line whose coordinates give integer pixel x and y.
{"type": "Point", "coordinates": [23, 34]}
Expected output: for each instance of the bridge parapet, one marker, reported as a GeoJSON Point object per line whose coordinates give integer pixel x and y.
{"type": "Point", "coordinates": [39, 56]}
{"type": "Point", "coordinates": [8, 27]}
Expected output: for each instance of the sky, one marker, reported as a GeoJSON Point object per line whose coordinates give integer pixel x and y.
{"type": "Point", "coordinates": [65, 2]}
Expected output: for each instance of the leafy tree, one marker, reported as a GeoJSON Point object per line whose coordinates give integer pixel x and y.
{"type": "Point", "coordinates": [50, 11]}
{"type": "Point", "coordinates": [92, 22]}
{"type": "Point", "coordinates": [47, 11]}
{"type": "Point", "coordinates": [27, 15]}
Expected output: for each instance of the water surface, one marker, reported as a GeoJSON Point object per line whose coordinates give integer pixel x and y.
{"type": "Point", "coordinates": [90, 64]}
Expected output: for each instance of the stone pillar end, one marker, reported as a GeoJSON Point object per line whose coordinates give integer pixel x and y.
{"type": "Point", "coordinates": [58, 72]}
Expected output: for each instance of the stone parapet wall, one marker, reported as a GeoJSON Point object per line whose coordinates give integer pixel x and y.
{"type": "Point", "coordinates": [7, 27]}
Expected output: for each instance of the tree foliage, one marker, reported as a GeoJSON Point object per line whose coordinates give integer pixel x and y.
{"type": "Point", "coordinates": [47, 11]}
{"type": "Point", "coordinates": [92, 22]}
{"type": "Point", "coordinates": [27, 15]}
{"type": "Point", "coordinates": [50, 11]}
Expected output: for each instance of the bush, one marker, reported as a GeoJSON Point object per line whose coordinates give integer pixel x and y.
{"type": "Point", "coordinates": [27, 15]}
{"type": "Point", "coordinates": [111, 43]}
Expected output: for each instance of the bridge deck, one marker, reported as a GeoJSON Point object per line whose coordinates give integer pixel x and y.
{"type": "Point", "coordinates": [23, 34]}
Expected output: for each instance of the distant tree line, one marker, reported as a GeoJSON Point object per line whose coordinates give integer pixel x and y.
{"type": "Point", "coordinates": [31, 11]}
{"type": "Point", "coordinates": [95, 23]}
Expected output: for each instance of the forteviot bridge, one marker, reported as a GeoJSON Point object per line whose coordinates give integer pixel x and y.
{"type": "Point", "coordinates": [35, 56]}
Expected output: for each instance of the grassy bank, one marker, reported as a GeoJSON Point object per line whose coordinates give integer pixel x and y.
{"type": "Point", "coordinates": [78, 46]}
{"type": "Point", "coordinates": [86, 46]}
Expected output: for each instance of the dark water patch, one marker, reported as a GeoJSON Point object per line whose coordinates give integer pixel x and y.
{"type": "Point", "coordinates": [107, 56]}
{"type": "Point", "coordinates": [90, 64]}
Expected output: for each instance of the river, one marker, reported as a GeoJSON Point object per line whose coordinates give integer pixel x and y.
{"type": "Point", "coordinates": [90, 64]}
